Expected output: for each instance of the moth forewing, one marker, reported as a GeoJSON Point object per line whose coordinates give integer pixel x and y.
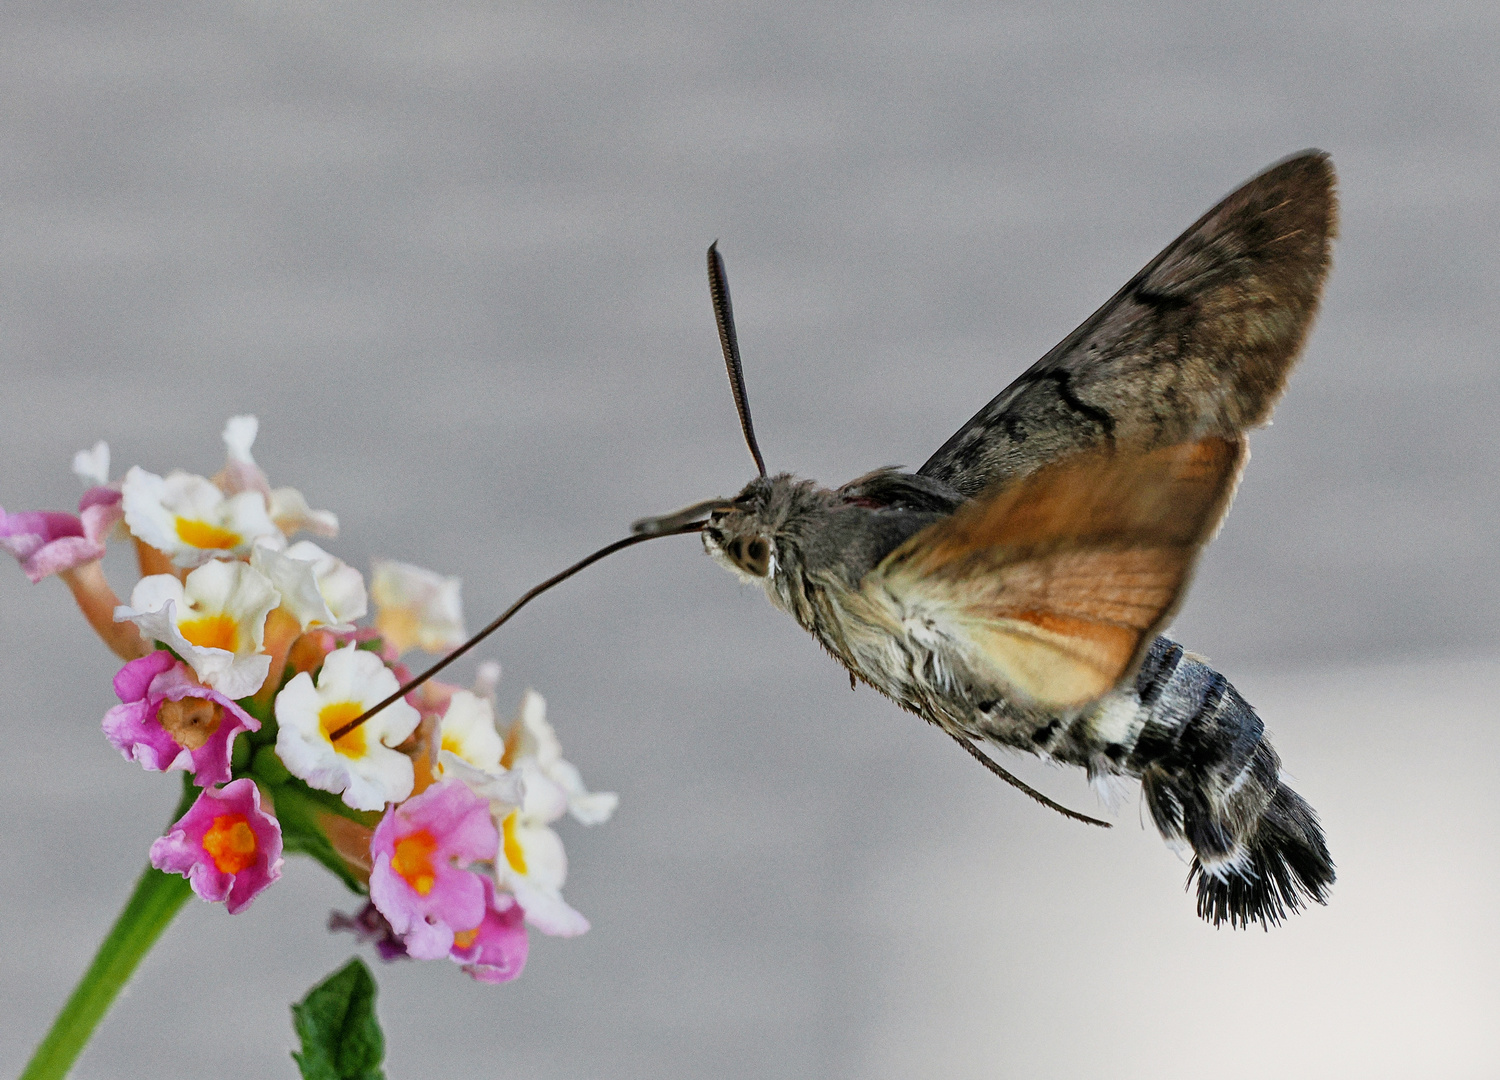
{"type": "Point", "coordinates": [1199, 342]}
{"type": "Point", "coordinates": [1055, 584]}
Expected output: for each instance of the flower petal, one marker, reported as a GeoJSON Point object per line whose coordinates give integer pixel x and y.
{"type": "Point", "coordinates": [92, 466]}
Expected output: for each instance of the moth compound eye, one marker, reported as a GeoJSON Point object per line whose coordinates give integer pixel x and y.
{"type": "Point", "coordinates": [753, 556]}
{"type": "Point", "coordinates": [757, 558]}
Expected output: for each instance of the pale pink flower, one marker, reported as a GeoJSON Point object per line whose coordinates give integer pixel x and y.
{"type": "Point", "coordinates": [167, 719]}
{"type": "Point", "coordinates": [421, 881]}
{"type": "Point", "coordinates": [227, 847]}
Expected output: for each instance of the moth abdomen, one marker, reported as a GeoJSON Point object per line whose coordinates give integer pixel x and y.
{"type": "Point", "coordinates": [1211, 778]}
{"type": "Point", "coordinates": [1282, 863]}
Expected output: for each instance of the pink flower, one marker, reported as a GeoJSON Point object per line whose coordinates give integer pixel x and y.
{"type": "Point", "coordinates": [47, 542]}
{"type": "Point", "coordinates": [169, 720]}
{"type": "Point", "coordinates": [495, 950]}
{"type": "Point", "coordinates": [420, 881]}
{"type": "Point", "coordinates": [226, 846]}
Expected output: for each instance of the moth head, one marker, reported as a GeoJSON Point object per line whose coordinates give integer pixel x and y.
{"type": "Point", "coordinates": [741, 535]}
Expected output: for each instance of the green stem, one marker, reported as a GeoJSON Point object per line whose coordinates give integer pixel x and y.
{"type": "Point", "coordinates": [156, 899]}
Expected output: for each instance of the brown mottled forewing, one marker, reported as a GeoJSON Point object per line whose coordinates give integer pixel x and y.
{"type": "Point", "coordinates": [1198, 343]}
{"type": "Point", "coordinates": [1055, 584]}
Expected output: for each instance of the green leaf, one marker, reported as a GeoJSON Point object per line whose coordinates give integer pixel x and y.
{"type": "Point", "coordinates": [341, 1037]}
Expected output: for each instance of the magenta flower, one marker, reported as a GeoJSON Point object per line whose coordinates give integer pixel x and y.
{"type": "Point", "coordinates": [48, 542]}
{"type": "Point", "coordinates": [495, 950]}
{"type": "Point", "coordinates": [226, 846]}
{"type": "Point", "coordinates": [167, 719]}
{"type": "Point", "coordinates": [420, 881]}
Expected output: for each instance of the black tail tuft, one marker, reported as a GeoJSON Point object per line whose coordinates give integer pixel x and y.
{"type": "Point", "coordinates": [1282, 865]}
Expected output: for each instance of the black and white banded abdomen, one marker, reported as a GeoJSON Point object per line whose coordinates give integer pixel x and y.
{"type": "Point", "coordinates": [1211, 778]}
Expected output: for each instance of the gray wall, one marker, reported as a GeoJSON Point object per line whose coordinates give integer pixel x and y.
{"type": "Point", "coordinates": [451, 255]}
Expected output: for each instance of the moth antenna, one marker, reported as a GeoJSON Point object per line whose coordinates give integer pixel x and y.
{"type": "Point", "coordinates": [504, 617]}
{"type": "Point", "coordinates": [718, 287]}
{"type": "Point", "coordinates": [1016, 782]}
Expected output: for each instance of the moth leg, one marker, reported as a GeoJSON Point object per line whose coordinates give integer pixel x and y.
{"type": "Point", "coordinates": [1016, 782]}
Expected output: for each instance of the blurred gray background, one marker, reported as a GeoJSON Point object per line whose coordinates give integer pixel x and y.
{"type": "Point", "coordinates": [452, 256]}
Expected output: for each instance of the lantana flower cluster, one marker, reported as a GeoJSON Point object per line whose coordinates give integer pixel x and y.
{"type": "Point", "coordinates": [245, 657]}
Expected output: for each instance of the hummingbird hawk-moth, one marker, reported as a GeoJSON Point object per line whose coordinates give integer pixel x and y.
{"type": "Point", "coordinates": [1014, 589]}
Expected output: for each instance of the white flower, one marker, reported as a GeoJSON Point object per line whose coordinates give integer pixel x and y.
{"type": "Point", "coordinates": [467, 731]}
{"type": "Point", "coordinates": [191, 520]}
{"type": "Point", "coordinates": [416, 607]}
{"type": "Point", "coordinates": [470, 748]}
{"type": "Point", "coordinates": [92, 466]}
{"type": "Point", "coordinates": [316, 588]}
{"type": "Point", "coordinates": [534, 739]}
{"type": "Point", "coordinates": [486, 679]}
{"type": "Point", "coordinates": [239, 436]}
{"type": "Point", "coordinates": [291, 513]}
{"type": "Point", "coordinates": [287, 507]}
{"type": "Point", "coordinates": [532, 863]}
{"type": "Point", "coordinates": [215, 620]}
{"type": "Point", "coordinates": [362, 766]}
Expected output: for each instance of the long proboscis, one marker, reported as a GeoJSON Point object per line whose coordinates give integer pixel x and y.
{"type": "Point", "coordinates": [678, 529]}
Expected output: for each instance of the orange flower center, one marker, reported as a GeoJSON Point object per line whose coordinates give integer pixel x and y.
{"type": "Point", "coordinates": [202, 534]}
{"type": "Point", "coordinates": [332, 717]}
{"type": "Point", "coordinates": [413, 860]}
{"type": "Point", "coordinates": [513, 853]}
{"type": "Point", "coordinates": [464, 938]}
{"type": "Point", "coordinates": [211, 632]}
{"type": "Point", "coordinates": [230, 842]}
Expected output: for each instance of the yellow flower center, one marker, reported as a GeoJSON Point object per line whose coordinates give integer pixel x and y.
{"type": "Point", "coordinates": [334, 716]}
{"type": "Point", "coordinates": [464, 938]}
{"type": "Point", "coordinates": [211, 632]}
{"type": "Point", "coordinates": [513, 853]}
{"type": "Point", "coordinates": [203, 534]}
{"type": "Point", "coordinates": [413, 860]}
{"type": "Point", "coordinates": [230, 842]}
